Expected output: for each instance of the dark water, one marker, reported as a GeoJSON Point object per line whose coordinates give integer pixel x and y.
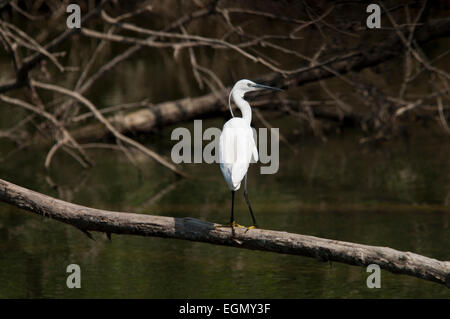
{"type": "Point", "coordinates": [396, 195]}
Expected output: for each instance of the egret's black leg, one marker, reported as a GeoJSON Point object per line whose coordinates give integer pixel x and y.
{"type": "Point", "coordinates": [232, 223]}
{"type": "Point", "coordinates": [248, 202]}
{"type": "Point", "coordinates": [232, 208]}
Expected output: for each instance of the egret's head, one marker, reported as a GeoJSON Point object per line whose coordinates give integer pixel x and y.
{"type": "Point", "coordinates": [243, 86]}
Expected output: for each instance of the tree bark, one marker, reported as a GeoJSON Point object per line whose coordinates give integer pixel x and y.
{"type": "Point", "coordinates": [166, 113]}
{"type": "Point", "coordinates": [91, 219]}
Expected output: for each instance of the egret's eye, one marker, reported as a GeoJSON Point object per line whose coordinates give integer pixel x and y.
{"type": "Point", "coordinates": [249, 84]}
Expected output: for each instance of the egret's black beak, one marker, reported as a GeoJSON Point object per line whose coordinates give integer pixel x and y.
{"type": "Point", "coordinates": [265, 87]}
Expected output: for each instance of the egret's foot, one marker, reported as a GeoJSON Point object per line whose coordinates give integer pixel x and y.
{"type": "Point", "coordinates": [251, 227]}
{"type": "Point", "coordinates": [232, 225]}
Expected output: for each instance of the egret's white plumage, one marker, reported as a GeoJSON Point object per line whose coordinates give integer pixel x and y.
{"type": "Point", "coordinates": [236, 149]}
{"type": "Point", "coordinates": [237, 145]}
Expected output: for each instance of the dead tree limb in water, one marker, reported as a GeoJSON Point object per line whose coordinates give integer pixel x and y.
{"type": "Point", "coordinates": [91, 219]}
{"type": "Point", "coordinates": [170, 112]}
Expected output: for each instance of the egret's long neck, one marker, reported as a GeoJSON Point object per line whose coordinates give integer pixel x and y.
{"type": "Point", "coordinates": [243, 106]}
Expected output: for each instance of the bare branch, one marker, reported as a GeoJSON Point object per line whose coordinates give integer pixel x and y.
{"type": "Point", "coordinates": [90, 219]}
{"type": "Point", "coordinates": [108, 125]}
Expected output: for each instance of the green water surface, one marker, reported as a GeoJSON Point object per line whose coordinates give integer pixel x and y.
{"type": "Point", "coordinates": [395, 195]}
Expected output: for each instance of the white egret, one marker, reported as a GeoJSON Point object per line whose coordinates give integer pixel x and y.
{"type": "Point", "coordinates": [237, 146]}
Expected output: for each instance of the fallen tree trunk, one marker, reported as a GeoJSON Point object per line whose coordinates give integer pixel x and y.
{"type": "Point", "coordinates": [149, 118]}
{"type": "Point", "coordinates": [91, 219]}
{"type": "Point", "coordinates": [166, 113]}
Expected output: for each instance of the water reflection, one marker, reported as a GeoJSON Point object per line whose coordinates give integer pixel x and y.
{"type": "Point", "coordinates": [392, 196]}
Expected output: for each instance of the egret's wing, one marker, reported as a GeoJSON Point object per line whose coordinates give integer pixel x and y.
{"type": "Point", "coordinates": [243, 155]}
{"type": "Point", "coordinates": [253, 147]}
{"type": "Point", "coordinates": [227, 150]}
{"type": "Point", "coordinates": [234, 154]}
{"type": "Point", "coordinates": [226, 155]}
